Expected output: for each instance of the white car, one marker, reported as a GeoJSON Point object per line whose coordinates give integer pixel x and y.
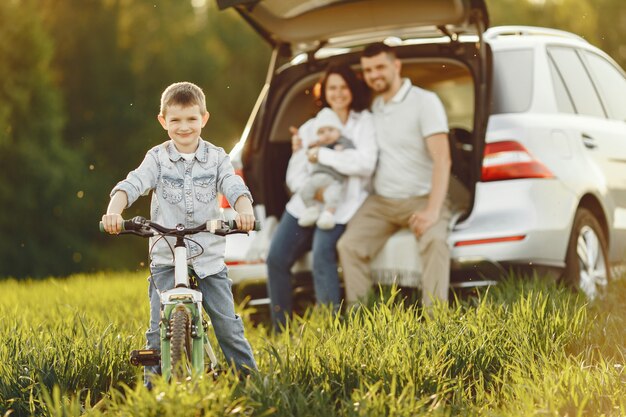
{"type": "Point", "coordinates": [537, 130]}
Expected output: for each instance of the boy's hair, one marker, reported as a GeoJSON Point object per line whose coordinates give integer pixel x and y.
{"type": "Point", "coordinates": [376, 48]}
{"type": "Point", "coordinates": [183, 94]}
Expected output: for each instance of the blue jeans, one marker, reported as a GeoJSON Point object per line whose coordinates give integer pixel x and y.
{"type": "Point", "coordinates": [289, 243]}
{"type": "Point", "coordinates": [217, 300]}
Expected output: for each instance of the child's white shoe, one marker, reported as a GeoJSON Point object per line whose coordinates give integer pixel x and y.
{"type": "Point", "coordinates": [309, 216]}
{"type": "Point", "coordinates": [326, 221]}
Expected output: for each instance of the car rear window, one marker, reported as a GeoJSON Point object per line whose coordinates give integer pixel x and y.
{"type": "Point", "coordinates": [512, 81]}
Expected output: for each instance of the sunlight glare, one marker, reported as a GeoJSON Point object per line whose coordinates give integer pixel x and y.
{"type": "Point", "coordinates": [198, 4]}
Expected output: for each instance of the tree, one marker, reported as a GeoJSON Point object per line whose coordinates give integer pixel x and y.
{"type": "Point", "coordinates": [112, 59]}
{"type": "Point", "coordinates": [611, 30]}
{"type": "Point", "coordinates": [36, 187]}
{"type": "Point", "coordinates": [601, 22]}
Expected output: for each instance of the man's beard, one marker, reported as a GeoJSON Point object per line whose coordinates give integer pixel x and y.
{"type": "Point", "coordinates": [384, 86]}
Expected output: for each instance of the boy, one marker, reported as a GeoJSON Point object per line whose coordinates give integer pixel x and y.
{"type": "Point", "coordinates": [328, 127]}
{"type": "Point", "coordinates": [185, 175]}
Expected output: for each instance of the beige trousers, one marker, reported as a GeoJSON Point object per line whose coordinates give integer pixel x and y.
{"type": "Point", "coordinates": [366, 234]}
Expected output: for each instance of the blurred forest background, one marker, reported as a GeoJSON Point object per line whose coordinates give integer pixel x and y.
{"type": "Point", "coordinates": [80, 82]}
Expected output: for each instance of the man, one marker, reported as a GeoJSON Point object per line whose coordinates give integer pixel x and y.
{"type": "Point", "coordinates": [410, 182]}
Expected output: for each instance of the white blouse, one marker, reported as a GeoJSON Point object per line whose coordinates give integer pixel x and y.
{"type": "Point", "coordinates": [358, 164]}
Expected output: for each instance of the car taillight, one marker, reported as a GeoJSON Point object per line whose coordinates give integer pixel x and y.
{"type": "Point", "coordinates": [508, 160]}
{"type": "Point", "coordinates": [223, 201]}
{"type": "Point", "coordinates": [239, 263]}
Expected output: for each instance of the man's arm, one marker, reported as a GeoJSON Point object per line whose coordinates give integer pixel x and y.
{"type": "Point", "coordinates": [439, 151]}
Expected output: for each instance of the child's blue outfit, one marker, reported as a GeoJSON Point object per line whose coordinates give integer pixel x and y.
{"type": "Point", "coordinates": [186, 192]}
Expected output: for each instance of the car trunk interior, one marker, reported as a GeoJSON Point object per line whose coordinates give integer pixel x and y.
{"type": "Point", "coordinates": [292, 101]}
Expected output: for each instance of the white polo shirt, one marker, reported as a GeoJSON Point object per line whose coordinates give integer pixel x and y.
{"type": "Point", "coordinates": [402, 125]}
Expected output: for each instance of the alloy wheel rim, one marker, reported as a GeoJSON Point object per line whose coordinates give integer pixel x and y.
{"type": "Point", "coordinates": [593, 270]}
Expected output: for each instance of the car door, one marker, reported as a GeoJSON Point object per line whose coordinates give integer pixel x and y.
{"type": "Point", "coordinates": [610, 83]}
{"type": "Point", "coordinates": [601, 136]}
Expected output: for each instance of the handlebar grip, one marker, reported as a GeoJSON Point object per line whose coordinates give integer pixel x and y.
{"type": "Point", "coordinates": [101, 225]}
{"type": "Point", "coordinates": [124, 225]}
{"type": "Point", "coordinates": [233, 225]}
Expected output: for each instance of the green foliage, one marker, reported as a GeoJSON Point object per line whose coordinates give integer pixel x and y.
{"type": "Point", "coordinates": [113, 59]}
{"type": "Point", "coordinates": [80, 89]}
{"type": "Point", "coordinates": [523, 348]}
{"type": "Point", "coordinates": [71, 334]}
{"type": "Point", "coordinates": [601, 22]}
{"type": "Point", "coordinates": [37, 183]}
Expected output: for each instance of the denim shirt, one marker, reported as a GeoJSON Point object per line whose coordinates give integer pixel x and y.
{"type": "Point", "coordinates": [186, 192]}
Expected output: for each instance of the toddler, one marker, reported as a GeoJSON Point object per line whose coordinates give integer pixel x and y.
{"type": "Point", "coordinates": [328, 128]}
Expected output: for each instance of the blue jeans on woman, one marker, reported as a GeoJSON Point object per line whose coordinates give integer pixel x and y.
{"type": "Point", "coordinates": [289, 243]}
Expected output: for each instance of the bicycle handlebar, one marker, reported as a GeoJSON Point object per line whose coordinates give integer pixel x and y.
{"type": "Point", "coordinates": [143, 227]}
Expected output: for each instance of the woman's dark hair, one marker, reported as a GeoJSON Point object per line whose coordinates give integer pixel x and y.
{"type": "Point", "coordinates": [360, 93]}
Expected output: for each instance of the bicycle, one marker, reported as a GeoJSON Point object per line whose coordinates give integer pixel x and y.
{"type": "Point", "coordinates": [183, 329]}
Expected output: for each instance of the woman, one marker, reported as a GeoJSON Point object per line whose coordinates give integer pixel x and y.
{"type": "Point", "coordinates": [347, 96]}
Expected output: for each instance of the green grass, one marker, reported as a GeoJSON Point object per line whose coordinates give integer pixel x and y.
{"type": "Point", "coordinates": [524, 348]}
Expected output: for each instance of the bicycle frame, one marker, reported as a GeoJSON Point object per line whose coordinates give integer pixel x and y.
{"type": "Point", "coordinates": [184, 298]}
{"type": "Point", "coordinates": [183, 344]}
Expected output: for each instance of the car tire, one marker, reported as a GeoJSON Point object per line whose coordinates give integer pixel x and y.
{"type": "Point", "coordinates": [587, 267]}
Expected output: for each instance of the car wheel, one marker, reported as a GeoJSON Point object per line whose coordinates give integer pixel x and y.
{"type": "Point", "coordinates": [587, 266]}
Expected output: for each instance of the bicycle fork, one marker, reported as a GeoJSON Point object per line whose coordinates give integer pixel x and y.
{"type": "Point", "coordinates": [198, 337]}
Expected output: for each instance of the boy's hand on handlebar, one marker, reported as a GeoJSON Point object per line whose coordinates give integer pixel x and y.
{"type": "Point", "coordinates": [245, 221]}
{"type": "Point", "coordinates": [245, 214]}
{"type": "Point", "coordinates": [112, 223]}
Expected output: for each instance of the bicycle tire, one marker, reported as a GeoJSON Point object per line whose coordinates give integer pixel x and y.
{"type": "Point", "coordinates": [180, 343]}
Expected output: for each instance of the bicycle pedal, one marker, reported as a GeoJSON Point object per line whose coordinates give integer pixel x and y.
{"type": "Point", "coordinates": [145, 357]}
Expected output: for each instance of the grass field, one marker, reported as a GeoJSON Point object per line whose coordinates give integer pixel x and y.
{"type": "Point", "coordinates": [525, 348]}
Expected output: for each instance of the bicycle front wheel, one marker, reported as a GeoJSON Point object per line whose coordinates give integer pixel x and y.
{"type": "Point", "coordinates": [180, 343]}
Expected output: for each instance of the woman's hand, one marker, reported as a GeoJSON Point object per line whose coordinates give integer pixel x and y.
{"type": "Point", "coordinates": [312, 154]}
{"type": "Point", "coordinates": [296, 140]}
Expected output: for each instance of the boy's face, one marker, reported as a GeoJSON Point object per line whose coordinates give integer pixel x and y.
{"type": "Point", "coordinates": [184, 126]}
{"type": "Point", "coordinates": [327, 135]}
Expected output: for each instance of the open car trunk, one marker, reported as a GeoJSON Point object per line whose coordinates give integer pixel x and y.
{"type": "Point", "coordinates": [309, 35]}
{"type": "Point", "coordinates": [440, 45]}
{"type": "Point", "coordinates": [292, 102]}
{"type": "Point", "coordinates": [306, 25]}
